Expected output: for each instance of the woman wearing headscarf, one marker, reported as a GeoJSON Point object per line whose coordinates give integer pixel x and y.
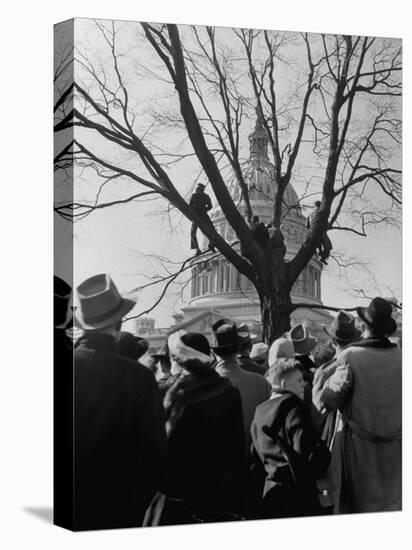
{"type": "Point", "coordinates": [204, 426]}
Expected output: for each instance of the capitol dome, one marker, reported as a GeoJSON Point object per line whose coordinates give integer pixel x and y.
{"type": "Point", "coordinates": [216, 285]}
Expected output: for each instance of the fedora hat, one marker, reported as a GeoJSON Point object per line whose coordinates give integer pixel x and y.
{"type": "Point", "coordinates": [225, 337]}
{"type": "Point", "coordinates": [343, 328]}
{"type": "Point", "coordinates": [244, 334]}
{"type": "Point", "coordinates": [378, 315]}
{"type": "Point", "coordinates": [100, 304]}
{"type": "Point", "coordinates": [302, 342]}
{"type": "Point", "coordinates": [61, 299]}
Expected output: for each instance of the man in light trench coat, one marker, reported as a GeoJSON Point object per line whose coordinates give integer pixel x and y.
{"type": "Point", "coordinates": [366, 389]}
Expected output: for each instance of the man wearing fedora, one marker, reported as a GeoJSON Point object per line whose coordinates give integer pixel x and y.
{"type": "Point", "coordinates": [245, 347]}
{"type": "Point", "coordinates": [303, 344]}
{"type": "Point", "coordinates": [119, 438]}
{"type": "Point", "coordinates": [201, 203]}
{"type": "Point", "coordinates": [366, 388]}
{"type": "Point", "coordinates": [342, 332]}
{"type": "Point", "coordinates": [253, 388]}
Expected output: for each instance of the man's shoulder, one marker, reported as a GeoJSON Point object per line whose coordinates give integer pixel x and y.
{"type": "Point", "coordinates": [255, 379]}
{"type": "Point", "coordinates": [113, 362]}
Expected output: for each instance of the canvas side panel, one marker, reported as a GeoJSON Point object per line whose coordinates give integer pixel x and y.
{"type": "Point", "coordinates": [63, 269]}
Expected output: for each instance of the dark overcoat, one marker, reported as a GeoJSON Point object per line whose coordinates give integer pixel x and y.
{"type": "Point", "coordinates": [285, 441]}
{"type": "Point", "coordinates": [119, 439]}
{"type": "Point", "coordinates": [206, 453]}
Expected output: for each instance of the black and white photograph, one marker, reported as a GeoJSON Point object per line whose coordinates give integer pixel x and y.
{"type": "Point", "coordinates": [205, 270]}
{"type": "Point", "coordinates": [228, 274]}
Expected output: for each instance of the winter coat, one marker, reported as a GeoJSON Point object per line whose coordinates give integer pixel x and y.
{"type": "Point", "coordinates": [253, 389]}
{"type": "Point", "coordinates": [206, 456]}
{"type": "Point", "coordinates": [119, 438]}
{"type": "Point", "coordinates": [366, 468]}
{"type": "Point", "coordinates": [293, 457]}
{"type": "Point", "coordinates": [200, 202]}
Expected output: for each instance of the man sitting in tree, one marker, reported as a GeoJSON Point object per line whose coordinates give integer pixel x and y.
{"type": "Point", "coordinates": [200, 201]}
{"type": "Point", "coordinates": [325, 245]}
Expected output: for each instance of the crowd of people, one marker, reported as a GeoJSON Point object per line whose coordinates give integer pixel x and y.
{"type": "Point", "coordinates": [231, 429]}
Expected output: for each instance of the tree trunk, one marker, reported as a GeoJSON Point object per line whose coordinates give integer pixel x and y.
{"type": "Point", "coordinates": [275, 311]}
{"type": "Point", "coordinates": [274, 295]}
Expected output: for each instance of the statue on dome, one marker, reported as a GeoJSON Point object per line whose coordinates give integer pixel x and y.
{"type": "Point", "coordinates": [201, 203]}
{"type": "Point", "coordinates": [325, 245]}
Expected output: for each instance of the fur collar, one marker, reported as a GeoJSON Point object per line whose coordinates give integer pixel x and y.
{"type": "Point", "coordinates": [186, 389]}
{"type": "Point", "coordinates": [383, 343]}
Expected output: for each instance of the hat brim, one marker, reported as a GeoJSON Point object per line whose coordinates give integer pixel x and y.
{"type": "Point", "coordinates": [126, 306]}
{"type": "Point", "coordinates": [356, 336]}
{"type": "Point", "coordinates": [305, 346]}
{"type": "Point", "coordinates": [389, 328]}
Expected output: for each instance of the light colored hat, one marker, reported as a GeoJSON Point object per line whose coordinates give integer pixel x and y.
{"type": "Point", "coordinates": [259, 351]}
{"type": "Point", "coordinates": [282, 347]}
{"type": "Point", "coordinates": [302, 342]}
{"type": "Point", "coordinates": [100, 304]}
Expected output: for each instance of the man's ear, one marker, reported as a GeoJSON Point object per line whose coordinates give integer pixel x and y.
{"type": "Point", "coordinates": [283, 384]}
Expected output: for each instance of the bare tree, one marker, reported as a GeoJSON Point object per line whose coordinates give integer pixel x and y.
{"type": "Point", "coordinates": [341, 105]}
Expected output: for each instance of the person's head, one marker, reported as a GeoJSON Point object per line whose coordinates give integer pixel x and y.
{"type": "Point", "coordinates": [100, 306]}
{"type": "Point", "coordinates": [200, 187]}
{"type": "Point", "coordinates": [132, 347]}
{"type": "Point", "coordinates": [343, 330]}
{"type": "Point", "coordinates": [281, 348]}
{"type": "Point", "coordinates": [189, 352]}
{"type": "Point", "coordinates": [245, 339]}
{"type": "Point", "coordinates": [286, 374]}
{"type": "Point", "coordinates": [255, 219]}
{"type": "Point", "coordinates": [162, 359]}
{"type": "Point", "coordinates": [377, 319]}
{"type": "Point", "coordinates": [225, 339]}
{"type": "Point", "coordinates": [317, 204]}
{"type": "Point", "coordinates": [259, 354]}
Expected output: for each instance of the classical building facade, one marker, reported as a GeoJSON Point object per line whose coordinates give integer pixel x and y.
{"type": "Point", "coordinates": [218, 290]}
